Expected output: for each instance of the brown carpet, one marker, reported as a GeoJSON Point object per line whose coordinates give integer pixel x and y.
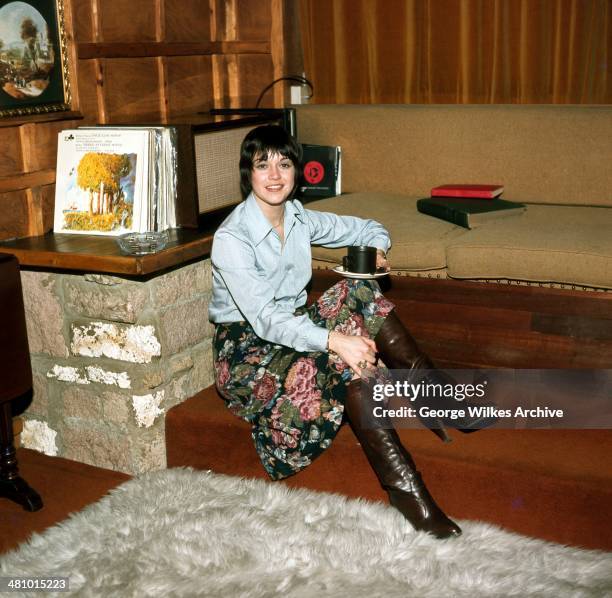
{"type": "Point", "coordinates": [64, 486]}
{"type": "Point", "coordinates": [551, 484]}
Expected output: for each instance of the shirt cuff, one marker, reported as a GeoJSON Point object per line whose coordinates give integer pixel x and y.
{"type": "Point", "coordinates": [383, 245]}
{"type": "Point", "coordinates": [317, 339]}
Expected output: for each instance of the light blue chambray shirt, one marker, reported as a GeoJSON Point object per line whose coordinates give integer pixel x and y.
{"type": "Point", "coordinates": [257, 279]}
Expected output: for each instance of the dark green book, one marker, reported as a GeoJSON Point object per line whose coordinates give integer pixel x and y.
{"type": "Point", "coordinates": [467, 211]}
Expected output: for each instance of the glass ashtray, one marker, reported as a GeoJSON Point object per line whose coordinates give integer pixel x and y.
{"type": "Point", "coordinates": [143, 243]}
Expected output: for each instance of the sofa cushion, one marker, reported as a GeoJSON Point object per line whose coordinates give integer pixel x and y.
{"type": "Point", "coordinates": [563, 244]}
{"type": "Point", "coordinates": [419, 241]}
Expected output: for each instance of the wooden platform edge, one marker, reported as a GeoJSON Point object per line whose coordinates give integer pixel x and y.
{"type": "Point", "coordinates": [90, 253]}
{"type": "Point", "coordinates": [470, 324]}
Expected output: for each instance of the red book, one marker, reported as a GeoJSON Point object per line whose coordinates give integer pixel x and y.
{"type": "Point", "coordinates": [467, 190]}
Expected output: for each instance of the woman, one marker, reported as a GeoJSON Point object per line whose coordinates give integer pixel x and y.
{"type": "Point", "coordinates": [292, 371]}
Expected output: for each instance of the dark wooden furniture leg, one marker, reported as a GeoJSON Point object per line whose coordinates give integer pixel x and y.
{"type": "Point", "coordinates": [15, 381]}
{"type": "Point", "coordinates": [12, 486]}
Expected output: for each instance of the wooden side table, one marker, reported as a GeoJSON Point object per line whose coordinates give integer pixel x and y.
{"type": "Point", "coordinates": [65, 252]}
{"type": "Point", "coordinates": [15, 381]}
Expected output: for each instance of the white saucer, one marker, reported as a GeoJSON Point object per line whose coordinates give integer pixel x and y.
{"type": "Point", "coordinates": [340, 270]}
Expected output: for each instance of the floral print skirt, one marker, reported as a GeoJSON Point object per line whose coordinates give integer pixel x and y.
{"type": "Point", "coordinates": [295, 400]}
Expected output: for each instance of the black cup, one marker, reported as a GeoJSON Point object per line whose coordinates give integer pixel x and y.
{"type": "Point", "coordinates": [360, 259]}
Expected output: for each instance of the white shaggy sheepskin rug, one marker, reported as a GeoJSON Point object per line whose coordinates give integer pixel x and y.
{"type": "Point", "coordinates": [181, 532]}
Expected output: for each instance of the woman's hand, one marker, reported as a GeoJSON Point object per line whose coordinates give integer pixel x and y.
{"type": "Point", "coordinates": [382, 263]}
{"type": "Point", "coordinates": [356, 351]}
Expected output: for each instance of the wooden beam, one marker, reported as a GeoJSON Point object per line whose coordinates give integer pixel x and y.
{"type": "Point", "coordinates": [162, 69]}
{"type": "Point", "coordinates": [162, 73]}
{"type": "Point", "coordinates": [15, 121]}
{"type": "Point", "coordinates": [32, 186]}
{"type": "Point", "coordinates": [88, 50]}
{"type": "Point", "coordinates": [28, 149]}
{"type": "Point", "coordinates": [218, 80]}
{"type": "Point", "coordinates": [35, 211]}
{"type": "Point", "coordinates": [102, 112]}
{"type": "Point", "coordinates": [234, 82]}
{"type": "Point", "coordinates": [277, 39]}
{"type": "Point", "coordinates": [214, 18]}
{"type": "Point", "coordinates": [25, 181]}
{"type": "Point", "coordinates": [160, 20]}
{"type": "Point", "coordinates": [231, 20]}
{"type": "Point", "coordinates": [96, 29]}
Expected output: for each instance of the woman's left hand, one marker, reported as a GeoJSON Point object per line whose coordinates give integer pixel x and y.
{"type": "Point", "coordinates": [382, 263]}
{"type": "Point", "coordinates": [358, 352]}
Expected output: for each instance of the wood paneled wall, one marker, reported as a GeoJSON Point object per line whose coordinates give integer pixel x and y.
{"type": "Point", "coordinates": [142, 61]}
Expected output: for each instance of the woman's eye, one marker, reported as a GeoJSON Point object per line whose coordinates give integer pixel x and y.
{"type": "Point", "coordinates": [261, 166]}
{"type": "Point", "coordinates": [286, 164]}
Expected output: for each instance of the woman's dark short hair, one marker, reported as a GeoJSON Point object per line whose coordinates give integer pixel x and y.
{"type": "Point", "coordinates": [262, 142]}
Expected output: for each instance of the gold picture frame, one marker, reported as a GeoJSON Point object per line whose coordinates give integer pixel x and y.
{"type": "Point", "coordinates": [34, 68]}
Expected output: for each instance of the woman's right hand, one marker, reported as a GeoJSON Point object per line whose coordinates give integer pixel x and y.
{"type": "Point", "coordinates": [353, 350]}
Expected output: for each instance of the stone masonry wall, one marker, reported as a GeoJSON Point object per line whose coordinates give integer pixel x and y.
{"type": "Point", "coordinates": [110, 356]}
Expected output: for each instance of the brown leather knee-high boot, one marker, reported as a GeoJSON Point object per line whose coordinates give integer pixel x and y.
{"type": "Point", "coordinates": [396, 470]}
{"type": "Point", "coordinates": [399, 351]}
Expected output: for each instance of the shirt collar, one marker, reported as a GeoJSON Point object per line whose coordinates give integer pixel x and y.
{"type": "Point", "coordinates": [259, 226]}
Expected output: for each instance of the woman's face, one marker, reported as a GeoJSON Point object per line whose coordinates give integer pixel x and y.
{"type": "Point", "coordinates": [272, 179]}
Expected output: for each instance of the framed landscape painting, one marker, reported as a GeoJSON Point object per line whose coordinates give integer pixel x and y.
{"type": "Point", "coordinates": [34, 75]}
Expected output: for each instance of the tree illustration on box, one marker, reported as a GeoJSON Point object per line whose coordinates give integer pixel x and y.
{"type": "Point", "coordinates": [101, 175]}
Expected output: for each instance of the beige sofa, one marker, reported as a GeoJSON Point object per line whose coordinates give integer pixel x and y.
{"type": "Point", "coordinates": [557, 159]}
